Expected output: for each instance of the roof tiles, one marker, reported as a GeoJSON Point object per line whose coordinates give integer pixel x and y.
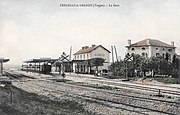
{"type": "Point", "coordinates": [151, 42]}
{"type": "Point", "coordinates": [89, 49]}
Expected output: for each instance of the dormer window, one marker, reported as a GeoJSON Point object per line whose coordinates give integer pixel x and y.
{"type": "Point", "coordinates": [132, 49]}
{"type": "Point", "coordinates": [143, 48]}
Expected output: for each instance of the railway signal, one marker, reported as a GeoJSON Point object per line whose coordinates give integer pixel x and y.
{"type": "Point", "coordinates": [127, 58]}
{"type": "Point", "coordinates": [62, 59]}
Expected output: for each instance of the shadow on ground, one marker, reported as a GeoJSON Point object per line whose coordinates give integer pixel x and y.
{"type": "Point", "coordinates": [14, 101]}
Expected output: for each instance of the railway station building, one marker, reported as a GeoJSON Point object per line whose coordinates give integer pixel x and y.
{"type": "Point", "coordinates": [152, 48]}
{"type": "Point", "coordinates": [42, 65]}
{"type": "Point", "coordinates": [81, 57]}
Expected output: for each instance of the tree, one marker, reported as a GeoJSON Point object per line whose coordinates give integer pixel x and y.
{"type": "Point", "coordinates": [118, 68]}
{"type": "Point", "coordinates": [96, 62]}
{"type": "Point", "coordinates": [158, 65]}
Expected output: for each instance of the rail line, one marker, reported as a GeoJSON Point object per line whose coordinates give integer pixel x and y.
{"type": "Point", "coordinates": [143, 88]}
{"type": "Point", "coordinates": [16, 76]}
{"type": "Point", "coordinates": [110, 101]}
{"type": "Point", "coordinates": [105, 91]}
{"type": "Point", "coordinates": [126, 95]}
{"type": "Point", "coordinates": [107, 101]}
{"type": "Point", "coordinates": [90, 99]}
{"type": "Point", "coordinates": [135, 86]}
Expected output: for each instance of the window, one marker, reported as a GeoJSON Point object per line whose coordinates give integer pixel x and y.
{"type": "Point", "coordinates": [143, 54]}
{"type": "Point", "coordinates": [167, 56]}
{"type": "Point", "coordinates": [132, 49]}
{"type": "Point", "coordinates": [169, 50]}
{"type": "Point", "coordinates": [156, 48]}
{"type": "Point", "coordinates": [74, 57]}
{"type": "Point", "coordinates": [163, 48]}
{"type": "Point", "coordinates": [78, 57]}
{"type": "Point", "coordinates": [163, 55]}
{"type": "Point", "coordinates": [143, 48]}
{"type": "Point", "coordinates": [157, 54]}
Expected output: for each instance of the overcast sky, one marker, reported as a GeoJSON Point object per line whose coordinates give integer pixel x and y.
{"type": "Point", "coordinates": [41, 28]}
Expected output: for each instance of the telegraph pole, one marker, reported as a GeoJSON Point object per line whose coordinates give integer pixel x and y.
{"type": "Point", "coordinates": [112, 54]}
{"type": "Point", "coordinates": [116, 53]}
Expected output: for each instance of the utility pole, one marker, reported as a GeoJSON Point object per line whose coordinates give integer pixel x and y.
{"type": "Point", "coordinates": [112, 61]}
{"type": "Point", "coordinates": [70, 53]}
{"type": "Point", "coordinates": [70, 60]}
{"type": "Point", "coordinates": [112, 54]}
{"type": "Point", "coordinates": [116, 53]}
{"type": "Point", "coordinates": [117, 61]}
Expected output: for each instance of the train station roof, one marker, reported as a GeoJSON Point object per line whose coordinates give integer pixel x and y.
{"type": "Point", "coordinates": [41, 60]}
{"type": "Point", "coordinates": [88, 49]}
{"type": "Point", "coordinates": [4, 60]}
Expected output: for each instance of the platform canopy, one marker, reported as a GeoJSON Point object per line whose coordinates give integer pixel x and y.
{"type": "Point", "coordinates": [3, 60]}
{"type": "Point", "coordinates": [49, 60]}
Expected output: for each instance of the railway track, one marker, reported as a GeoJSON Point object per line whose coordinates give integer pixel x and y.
{"type": "Point", "coordinates": [86, 99]}
{"type": "Point", "coordinates": [112, 100]}
{"type": "Point", "coordinates": [16, 76]}
{"type": "Point", "coordinates": [142, 88]}
{"type": "Point", "coordinates": [133, 86]}
{"type": "Point", "coordinates": [129, 95]}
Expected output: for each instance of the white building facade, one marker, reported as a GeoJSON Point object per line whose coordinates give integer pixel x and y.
{"type": "Point", "coordinates": [152, 48]}
{"type": "Point", "coordinates": [81, 57]}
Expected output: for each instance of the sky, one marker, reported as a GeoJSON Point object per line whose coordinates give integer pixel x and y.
{"type": "Point", "coordinates": [42, 28]}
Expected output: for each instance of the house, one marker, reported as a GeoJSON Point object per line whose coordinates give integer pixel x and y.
{"type": "Point", "coordinates": [81, 57]}
{"type": "Point", "coordinates": [152, 48]}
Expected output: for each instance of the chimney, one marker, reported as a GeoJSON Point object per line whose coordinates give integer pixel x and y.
{"type": "Point", "coordinates": [93, 45]}
{"type": "Point", "coordinates": [172, 43]}
{"type": "Point", "coordinates": [129, 42]}
{"type": "Point", "coordinates": [86, 47]}
{"type": "Point", "coordinates": [148, 41]}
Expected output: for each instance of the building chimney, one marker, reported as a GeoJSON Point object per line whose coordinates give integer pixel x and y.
{"type": "Point", "coordinates": [86, 47]}
{"type": "Point", "coordinates": [172, 43]}
{"type": "Point", "coordinates": [93, 45]}
{"type": "Point", "coordinates": [148, 41]}
{"type": "Point", "coordinates": [129, 42]}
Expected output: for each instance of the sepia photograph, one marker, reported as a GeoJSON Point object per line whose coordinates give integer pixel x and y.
{"type": "Point", "coordinates": [89, 57]}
